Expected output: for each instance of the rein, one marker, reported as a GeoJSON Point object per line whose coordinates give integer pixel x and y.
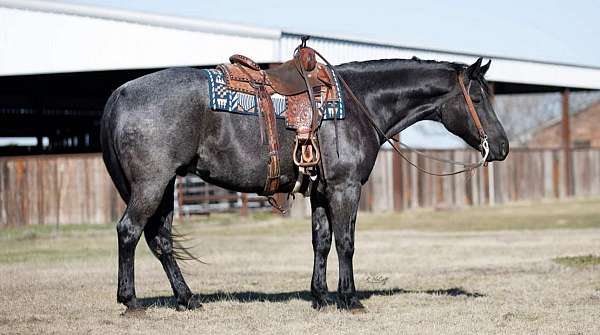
{"type": "Point", "coordinates": [468, 167]}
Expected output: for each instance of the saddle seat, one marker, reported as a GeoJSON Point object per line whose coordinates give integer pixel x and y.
{"type": "Point", "coordinates": [284, 79]}
{"type": "Point", "coordinates": [287, 80]}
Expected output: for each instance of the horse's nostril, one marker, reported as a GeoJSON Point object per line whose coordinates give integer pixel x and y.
{"type": "Point", "coordinates": [503, 148]}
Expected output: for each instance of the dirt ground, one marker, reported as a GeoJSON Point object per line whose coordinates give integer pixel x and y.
{"type": "Point", "coordinates": [482, 271]}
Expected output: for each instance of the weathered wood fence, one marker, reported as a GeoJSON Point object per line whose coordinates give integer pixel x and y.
{"type": "Point", "coordinates": [77, 189]}
{"type": "Point", "coordinates": [527, 174]}
{"type": "Point", "coordinates": [195, 196]}
{"type": "Point", "coordinates": [56, 189]}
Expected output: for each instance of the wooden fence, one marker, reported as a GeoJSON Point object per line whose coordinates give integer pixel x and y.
{"type": "Point", "coordinates": [56, 189]}
{"type": "Point", "coordinates": [194, 196]}
{"type": "Point", "coordinates": [527, 174]}
{"type": "Point", "coordinates": [77, 189]}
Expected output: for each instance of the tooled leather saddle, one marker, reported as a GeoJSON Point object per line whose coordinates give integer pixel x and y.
{"type": "Point", "coordinates": [307, 86]}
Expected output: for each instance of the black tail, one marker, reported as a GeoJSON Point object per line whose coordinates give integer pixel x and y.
{"type": "Point", "coordinates": [180, 251]}
{"type": "Point", "coordinates": [107, 142]}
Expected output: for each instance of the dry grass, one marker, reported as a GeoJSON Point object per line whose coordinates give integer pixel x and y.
{"type": "Point", "coordinates": [483, 271]}
{"type": "Point", "coordinates": [578, 261]}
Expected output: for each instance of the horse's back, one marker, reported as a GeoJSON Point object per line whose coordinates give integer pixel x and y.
{"type": "Point", "coordinates": [159, 90]}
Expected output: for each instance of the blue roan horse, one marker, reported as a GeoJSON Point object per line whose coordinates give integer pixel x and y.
{"type": "Point", "coordinates": [160, 125]}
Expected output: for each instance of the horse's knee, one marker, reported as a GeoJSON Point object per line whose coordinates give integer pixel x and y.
{"type": "Point", "coordinates": [346, 253]}
{"type": "Point", "coordinates": [321, 234]}
{"type": "Point", "coordinates": [322, 244]}
{"type": "Point", "coordinates": [323, 249]}
{"type": "Point", "coordinates": [345, 248]}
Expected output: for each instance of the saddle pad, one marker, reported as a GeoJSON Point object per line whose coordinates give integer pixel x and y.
{"type": "Point", "coordinates": [223, 99]}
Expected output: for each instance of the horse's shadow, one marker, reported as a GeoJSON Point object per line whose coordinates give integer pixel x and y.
{"type": "Point", "coordinates": [250, 296]}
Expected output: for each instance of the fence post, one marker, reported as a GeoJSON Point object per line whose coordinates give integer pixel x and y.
{"type": "Point", "coordinates": [397, 179]}
{"type": "Point", "coordinates": [566, 143]}
{"type": "Point", "coordinates": [244, 208]}
{"type": "Point", "coordinates": [491, 186]}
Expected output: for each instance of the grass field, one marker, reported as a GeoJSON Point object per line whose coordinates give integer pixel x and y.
{"type": "Point", "coordinates": [517, 269]}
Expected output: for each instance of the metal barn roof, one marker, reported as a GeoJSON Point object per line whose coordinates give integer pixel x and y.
{"type": "Point", "coordinates": [39, 37]}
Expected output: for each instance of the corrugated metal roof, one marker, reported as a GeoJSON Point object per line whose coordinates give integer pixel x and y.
{"type": "Point", "coordinates": [502, 70]}
{"type": "Point", "coordinates": [86, 38]}
{"type": "Point", "coordinates": [332, 38]}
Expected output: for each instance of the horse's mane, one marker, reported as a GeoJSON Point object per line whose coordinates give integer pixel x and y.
{"type": "Point", "coordinates": [395, 63]}
{"type": "Point", "coordinates": [400, 62]}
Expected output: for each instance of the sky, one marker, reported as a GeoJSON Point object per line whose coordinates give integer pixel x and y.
{"type": "Point", "coordinates": [555, 31]}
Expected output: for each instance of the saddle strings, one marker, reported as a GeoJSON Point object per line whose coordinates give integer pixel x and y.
{"type": "Point", "coordinates": [468, 167]}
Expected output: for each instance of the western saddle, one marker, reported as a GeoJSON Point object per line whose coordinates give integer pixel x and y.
{"type": "Point", "coordinates": [308, 86]}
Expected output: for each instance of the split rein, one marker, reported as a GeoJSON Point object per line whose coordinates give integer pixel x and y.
{"type": "Point", "coordinates": [468, 167]}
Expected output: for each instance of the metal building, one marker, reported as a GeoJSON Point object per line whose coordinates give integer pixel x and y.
{"type": "Point", "coordinates": [59, 63]}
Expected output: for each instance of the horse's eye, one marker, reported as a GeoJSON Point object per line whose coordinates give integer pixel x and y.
{"type": "Point", "coordinates": [476, 100]}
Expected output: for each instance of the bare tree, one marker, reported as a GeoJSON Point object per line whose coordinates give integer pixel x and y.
{"type": "Point", "coordinates": [522, 114]}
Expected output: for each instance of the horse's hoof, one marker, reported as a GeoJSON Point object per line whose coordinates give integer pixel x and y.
{"type": "Point", "coordinates": [351, 304]}
{"type": "Point", "coordinates": [323, 306]}
{"type": "Point", "coordinates": [193, 304]}
{"type": "Point", "coordinates": [134, 308]}
{"type": "Point", "coordinates": [133, 305]}
{"type": "Point", "coordinates": [322, 302]}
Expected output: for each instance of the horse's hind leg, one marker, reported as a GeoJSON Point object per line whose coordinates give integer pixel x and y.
{"type": "Point", "coordinates": [128, 234]}
{"type": "Point", "coordinates": [159, 239]}
{"type": "Point", "coordinates": [144, 201]}
{"type": "Point", "coordinates": [343, 202]}
{"type": "Point", "coordinates": [321, 241]}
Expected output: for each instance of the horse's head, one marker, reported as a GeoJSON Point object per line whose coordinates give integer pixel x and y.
{"type": "Point", "coordinates": [454, 113]}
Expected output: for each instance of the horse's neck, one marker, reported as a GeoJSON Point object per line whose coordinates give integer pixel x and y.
{"type": "Point", "coordinates": [399, 94]}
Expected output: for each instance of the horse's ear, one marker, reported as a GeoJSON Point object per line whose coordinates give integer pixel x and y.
{"type": "Point", "coordinates": [484, 69]}
{"type": "Point", "coordinates": [473, 70]}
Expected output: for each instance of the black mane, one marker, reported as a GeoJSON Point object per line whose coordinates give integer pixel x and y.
{"type": "Point", "coordinates": [389, 64]}
{"type": "Point", "coordinates": [392, 63]}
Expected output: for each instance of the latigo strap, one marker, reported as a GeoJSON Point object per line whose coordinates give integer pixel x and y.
{"type": "Point", "coordinates": [268, 114]}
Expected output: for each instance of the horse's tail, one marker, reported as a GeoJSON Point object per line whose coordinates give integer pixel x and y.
{"type": "Point", "coordinates": [107, 142]}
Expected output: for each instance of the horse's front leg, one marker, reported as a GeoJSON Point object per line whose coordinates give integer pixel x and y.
{"type": "Point", "coordinates": [321, 241]}
{"type": "Point", "coordinates": [343, 203]}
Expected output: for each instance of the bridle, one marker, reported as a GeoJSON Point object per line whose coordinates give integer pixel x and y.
{"type": "Point", "coordinates": [467, 167]}
{"type": "Point", "coordinates": [482, 135]}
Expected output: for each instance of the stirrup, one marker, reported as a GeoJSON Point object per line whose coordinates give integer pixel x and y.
{"type": "Point", "coordinates": [306, 152]}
